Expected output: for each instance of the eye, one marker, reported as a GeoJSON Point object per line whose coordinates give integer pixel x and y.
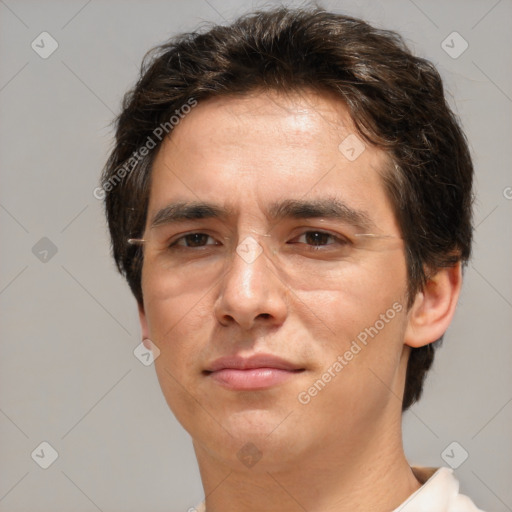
{"type": "Point", "coordinates": [192, 240]}
{"type": "Point", "coordinates": [316, 239]}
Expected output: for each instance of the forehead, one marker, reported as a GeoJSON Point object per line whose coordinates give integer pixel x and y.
{"type": "Point", "coordinates": [295, 119]}
{"type": "Point", "coordinates": [254, 150]}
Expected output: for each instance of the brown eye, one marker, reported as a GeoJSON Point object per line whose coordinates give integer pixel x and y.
{"type": "Point", "coordinates": [320, 238]}
{"type": "Point", "coordinates": [192, 240]}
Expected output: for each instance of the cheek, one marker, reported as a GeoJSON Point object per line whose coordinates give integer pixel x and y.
{"type": "Point", "coordinates": [366, 316]}
{"type": "Point", "coordinates": [169, 299]}
{"type": "Point", "coordinates": [177, 324]}
{"type": "Point", "coordinates": [358, 377]}
{"type": "Point", "coordinates": [363, 292]}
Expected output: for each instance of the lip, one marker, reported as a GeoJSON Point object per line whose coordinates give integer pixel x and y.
{"type": "Point", "coordinates": [260, 371]}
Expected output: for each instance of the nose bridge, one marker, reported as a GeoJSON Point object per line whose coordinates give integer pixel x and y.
{"type": "Point", "coordinates": [249, 289]}
{"type": "Point", "coordinates": [248, 268]}
{"type": "Point", "coordinates": [252, 242]}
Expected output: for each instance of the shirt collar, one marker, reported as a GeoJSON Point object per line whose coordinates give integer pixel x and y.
{"type": "Point", "coordinates": [439, 487]}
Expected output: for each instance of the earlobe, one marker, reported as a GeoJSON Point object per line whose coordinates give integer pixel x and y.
{"type": "Point", "coordinates": [434, 307]}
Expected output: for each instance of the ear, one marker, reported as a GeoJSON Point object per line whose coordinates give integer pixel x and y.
{"type": "Point", "coordinates": [434, 307]}
{"type": "Point", "coordinates": [143, 322]}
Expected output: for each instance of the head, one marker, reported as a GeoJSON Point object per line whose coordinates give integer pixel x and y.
{"type": "Point", "coordinates": [246, 116]}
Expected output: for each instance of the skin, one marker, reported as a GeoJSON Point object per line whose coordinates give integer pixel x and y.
{"type": "Point", "coordinates": [342, 451]}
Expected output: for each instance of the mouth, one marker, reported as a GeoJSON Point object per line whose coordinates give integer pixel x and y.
{"type": "Point", "coordinates": [257, 372]}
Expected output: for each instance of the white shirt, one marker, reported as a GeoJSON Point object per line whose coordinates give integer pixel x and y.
{"type": "Point", "coordinates": [439, 493]}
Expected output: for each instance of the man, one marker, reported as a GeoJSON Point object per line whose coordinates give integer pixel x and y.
{"type": "Point", "coordinates": [289, 198]}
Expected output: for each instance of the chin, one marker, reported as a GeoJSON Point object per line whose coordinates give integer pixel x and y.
{"type": "Point", "coordinates": [256, 440]}
{"type": "Point", "coordinates": [253, 451]}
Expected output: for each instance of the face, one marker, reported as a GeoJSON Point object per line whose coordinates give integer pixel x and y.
{"type": "Point", "coordinates": [279, 320]}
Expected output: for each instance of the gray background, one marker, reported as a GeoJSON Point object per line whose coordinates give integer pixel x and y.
{"type": "Point", "coordinates": [68, 375]}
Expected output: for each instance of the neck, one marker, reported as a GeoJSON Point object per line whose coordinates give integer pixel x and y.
{"type": "Point", "coordinates": [344, 478]}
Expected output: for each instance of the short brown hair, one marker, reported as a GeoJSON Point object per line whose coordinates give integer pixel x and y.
{"type": "Point", "coordinates": [395, 99]}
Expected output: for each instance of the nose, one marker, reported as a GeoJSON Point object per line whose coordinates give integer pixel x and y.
{"type": "Point", "coordinates": [251, 292]}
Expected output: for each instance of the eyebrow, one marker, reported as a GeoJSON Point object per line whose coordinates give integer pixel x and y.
{"type": "Point", "coordinates": [329, 208]}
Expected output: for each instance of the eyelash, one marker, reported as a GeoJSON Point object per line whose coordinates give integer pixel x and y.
{"type": "Point", "coordinates": [340, 240]}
